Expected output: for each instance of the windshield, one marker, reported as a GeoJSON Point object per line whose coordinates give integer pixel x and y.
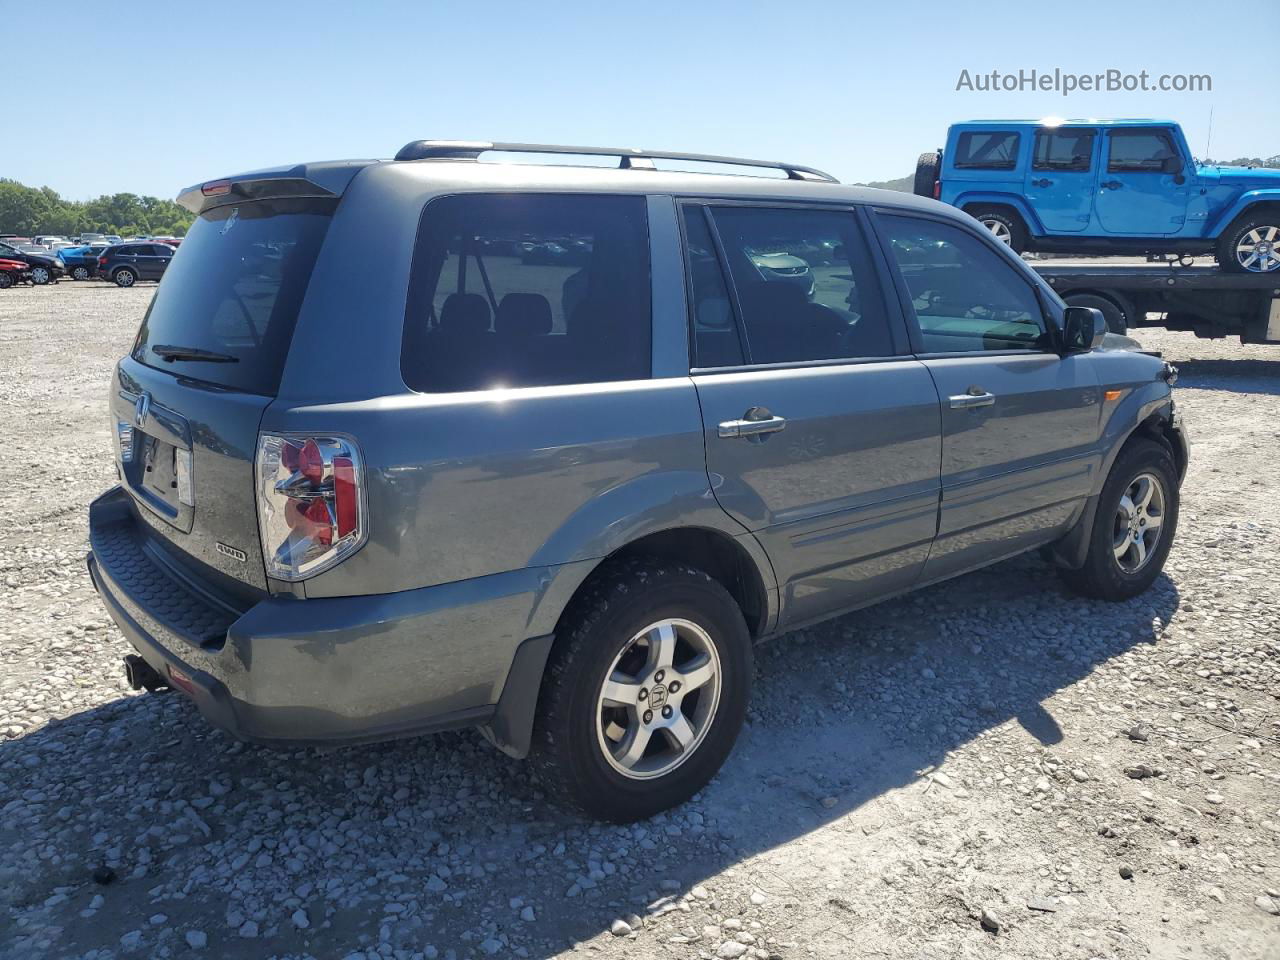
{"type": "Point", "coordinates": [234, 290]}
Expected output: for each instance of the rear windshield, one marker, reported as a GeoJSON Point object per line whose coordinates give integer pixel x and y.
{"type": "Point", "coordinates": [234, 290]}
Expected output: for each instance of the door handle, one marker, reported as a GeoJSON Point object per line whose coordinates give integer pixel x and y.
{"type": "Point", "coordinates": [1042, 182]}
{"type": "Point", "coordinates": [1111, 184]}
{"type": "Point", "coordinates": [967, 401]}
{"type": "Point", "coordinates": [755, 422]}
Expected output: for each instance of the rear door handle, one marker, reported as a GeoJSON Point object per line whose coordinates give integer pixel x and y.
{"type": "Point", "coordinates": [1042, 182]}
{"type": "Point", "coordinates": [1111, 184]}
{"type": "Point", "coordinates": [756, 422]}
{"type": "Point", "coordinates": [966, 401]}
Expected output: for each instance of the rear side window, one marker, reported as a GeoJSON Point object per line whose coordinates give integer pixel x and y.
{"type": "Point", "coordinates": [978, 150]}
{"type": "Point", "coordinates": [234, 291]}
{"type": "Point", "coordinates": [1139, 151]}
{"type": "Point", "coordinates": [965, 296]}
{"type": "Point", "coordinates": [517, 290]}
{"type": "Point", "coordinates": [1067, 150]}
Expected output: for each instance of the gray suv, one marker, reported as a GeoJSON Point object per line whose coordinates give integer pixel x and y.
{"type": "Point", "coordinates": [545, 448]}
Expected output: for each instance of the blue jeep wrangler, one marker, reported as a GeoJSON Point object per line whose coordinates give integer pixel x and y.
{"type": "Point", "coordinates": [1105, 187]}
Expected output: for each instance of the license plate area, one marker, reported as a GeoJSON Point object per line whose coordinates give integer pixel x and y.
{"type": "Point", "coordinates": [151, 475]}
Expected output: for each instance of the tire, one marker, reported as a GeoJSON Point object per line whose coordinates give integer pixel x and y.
{"type": "Point", "coordinates": [1111, 312]}
{"type": "Point", "coordinates": [41, 275]}
{"type": "Point", "coordinates": [1104, 575]}
{"type": "Point", "coordinates": [1008, 227]}
{"type": "Point", "coordinates": [6, 281]}
{"type": "Point", "coordinates": [124, 277]}
{"type": "Point", "coordinates": [1259, 232]}
{"type": "Point", "coordinates": [80, 273]}
{"type": "Point", "coordinates": [927, 169]}
{"type": "Point", "coordinates": [580, 743]}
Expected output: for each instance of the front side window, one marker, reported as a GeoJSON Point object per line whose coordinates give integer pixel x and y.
{"type": "Point", "coordinates": [805, 285]}
{"type": "Point", "coordinates": [517, 290]}
{"type": "Point", "coordinates": [1140, 151]}
{"type": "Point", "coordinates": [978, 150]}
{"type": "Point", "coordinates": [1066, 150]}
{"type": "Point", "coordinates": [965, 296]}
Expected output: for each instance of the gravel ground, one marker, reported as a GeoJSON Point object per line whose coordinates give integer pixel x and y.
{"type": "Point", "coordinates": [986, 768]}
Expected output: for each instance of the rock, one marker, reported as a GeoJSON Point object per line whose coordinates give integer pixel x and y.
{"type": "Point", "coordinates": [700, 893]}
{"type": "Point", "coordinates": [1214, 798]}
{"type": "Point", "coordinates": [197, 939]}
{"type": "Point", "coordinates": [1126, 872]}
{"type": "Point", "coordinates": [731, 949]}
{"type": "Point", "coordinates": [1215, 893]}
{"type": "Point", "coordinates": [103, 875]}
{"type": "Point", "coordinates": [829, 802]}
{"type": "Point", "coordinates": [633, 921]}
{"type": "Point", "coordinates": [1139, 771]}
{"type": "Point", "coordinates": [1043, 904]}
{"type": "Point", "coordinates": [131, 940]}
{"type": "Point", "coordinates": [620, 928]}
{"type": "Point", "coordinates": [1267, 905]}
{"type": "Point", "coordinates": [928, 674]}
{"type": "Point", "coordinates": [758, 898]}
{"type": "Point", "coordinates": [527, 915]}
{"type": "Point", "coordinates": [1138, 733]}
{"type": "Point", "coordinates": [249, 929]}
{"type": "Point", "coordinates": [300, 919]}
{"type": "Point", "coordinates": [1079, 776]}
{"type": "Point", "coordinates": [989, 920]}
{"type": "Point", "coordinates": [490, 946]}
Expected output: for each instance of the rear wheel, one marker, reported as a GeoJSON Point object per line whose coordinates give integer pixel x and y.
{"type": "Point", "coordinates": [80, 273]}
{"type": "Point", "coordinates": [6, 280]}
{"type": "Point", "coordinates": [124, 277]}
{"type": "Point", "coordinates": [1111, 312]}
{"type": "Point", "coordinates": [41, 275]}
{"type": "Point", "coordinates": [1251, 244]}
{"type": "Point", "coordinates": [1005, 226]}
{"type": "Point", "coordinates": [645, 692]}
{"type": "Point", "coordinates": [1134, 527]}
{"type": "Point", "coordinates": [927, 169]}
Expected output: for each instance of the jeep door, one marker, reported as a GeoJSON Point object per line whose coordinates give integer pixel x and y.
{"type": "Point", "coordinates": [1060, 179]}
{"type": "Point", "coordinates": [822, 432]}
{"type": "Point", "coordinates": [1143, 188]}
{"type": "Point", "coordinates": [1020, 422]}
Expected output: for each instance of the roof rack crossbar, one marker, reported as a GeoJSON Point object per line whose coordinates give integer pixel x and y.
{"type": "Point", "coordinates": [629, 158]}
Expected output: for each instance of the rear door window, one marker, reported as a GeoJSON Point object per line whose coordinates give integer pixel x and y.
{"type": "Point", "coordinates": [235, 292]}
{"type": "Point", "coordinates": [517, 290]}
{"type": "Point", "coordinates": [978, 150]}
{"type": "Point", "coordinates": [1066, 150]}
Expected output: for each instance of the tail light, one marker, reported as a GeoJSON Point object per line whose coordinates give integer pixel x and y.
{"type": "Point", "coordinates": [937, 189]}
{"type": "Point", "coordinates": [311, 505]}
{"type": "Point", "coordinates": [102, 261]}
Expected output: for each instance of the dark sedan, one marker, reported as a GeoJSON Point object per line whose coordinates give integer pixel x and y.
{"type": "Point", "coordinates": [44, 266]}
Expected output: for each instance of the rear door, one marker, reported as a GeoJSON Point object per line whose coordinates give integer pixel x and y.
{"type": "Point", "coordinates": [1060, 180]}
{"type": "Point", "coordinates": [1139, 193]}
{"type": "Point", "coordinates": [822, 433]}
{"type": "Point", "coordinates": [1020, 422]}
{"type": "Point", "coordinates": [188, 399]}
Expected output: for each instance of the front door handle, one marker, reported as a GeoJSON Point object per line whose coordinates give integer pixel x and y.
{"type": "Point", "coordinates": [1042, 182]}
{"type": "Point", "coordinates": [1111, 184]}
{"type": "Point", "coordinates": [976, 397]}
{"type": "Point", "coordinates": [755, 422]}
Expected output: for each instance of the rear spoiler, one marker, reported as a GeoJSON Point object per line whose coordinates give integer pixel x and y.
{"type": "Point", "coordinates": [304, 180]}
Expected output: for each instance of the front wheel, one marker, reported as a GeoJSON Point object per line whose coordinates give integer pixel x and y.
{"type": "Point", "coordinates": [80, 273]}
{"type": "Point", "coordinates": [124, 277]}
{"type": "Point", "coordinates": [1134, 527]}
{"type": "Point", "coordinates": [6, 281]}
{"type": "Point", "coordinates": [645, 693]}
{"type": "Point", "coordinates": [40, 276]}
{"type": "Point", "coordinates": [1251, 245]}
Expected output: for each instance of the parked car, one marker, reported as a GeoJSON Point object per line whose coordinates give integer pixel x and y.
{"type": "Point", "coordinates": [82, 262]}
{"type": "Point", "coordinates": [91, 238]}
{"type": "Point", "coordinates": [48, 240]}
{"type": "Point", "coordinates": [784, 268]}
{"type": "Point", "coordinates": [13, 271]}
{"type": "Point", "coordinates": [1105, 187]}
{"type": "Point", "coordinates": [127, 263]}
{"type": "Point", "coordinates": [44, 266]}
{"type": "Point", "coordinates": [453, 489]}
{"type": "Point", "coordinates": [114, 238]}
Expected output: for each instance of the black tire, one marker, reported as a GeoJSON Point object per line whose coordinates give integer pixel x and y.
{"type": "Point", "coordinates": [124, 277]}
{"type": "Point", "coordinates": [1111, 312]}
{"type": "Point", "coordinates": [927, 169]}
{"type": "Point", "coordinates": [1012, 222]}
{"type": "Point", "coordinates": [41, 275]}
{"type": "Point", "coordinates": [623, 600]}
{"type": "Point", "coordinates": [79, 273]}
{"type": "Point", "coordinates": [6, 280]}
{"type": "Point", "coordinates": [1264, 220]}
{"type": "Point", "coordinates": [1101, 577]}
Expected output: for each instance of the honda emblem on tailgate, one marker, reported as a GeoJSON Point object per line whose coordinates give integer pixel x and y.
{"type": "Point", "coordinates": [141, 409]}
{"type": "Point", "coordinates": [231, 552]}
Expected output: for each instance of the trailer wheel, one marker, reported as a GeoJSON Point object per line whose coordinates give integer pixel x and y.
{"type": "Point", "coordinates": [927, 170]}
{"type": "Point", "coordinates": [1117, 322]}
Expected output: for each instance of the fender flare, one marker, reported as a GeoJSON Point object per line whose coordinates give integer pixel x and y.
{"type": "Point", "coordinates": [1034, 226]}
{"type": "Point", "coordinates": [1242, 204]}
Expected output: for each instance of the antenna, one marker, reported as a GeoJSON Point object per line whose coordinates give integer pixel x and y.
{"type": "Point", "coordinates": [1209, 136]}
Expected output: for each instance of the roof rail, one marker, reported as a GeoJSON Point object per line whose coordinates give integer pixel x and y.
{"type": "Point", "coordinates": [629, 157]}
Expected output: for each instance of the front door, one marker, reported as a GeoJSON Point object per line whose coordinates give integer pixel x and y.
{"type": "Point", "coordinates": [1060, 181]}
{"type": "Point", "coordinates": [1020, 423]}
{"type": "Point", "coordinates": [1139, 193]}
{"type": "Point", "coordinates": [822, 433]}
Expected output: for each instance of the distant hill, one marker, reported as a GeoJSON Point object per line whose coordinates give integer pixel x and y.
{"type": "Point", "coordinates": [902, 184]}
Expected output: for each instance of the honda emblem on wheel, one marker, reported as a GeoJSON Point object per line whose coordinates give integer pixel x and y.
{"type": "Point", "coordinates": [141, 409]}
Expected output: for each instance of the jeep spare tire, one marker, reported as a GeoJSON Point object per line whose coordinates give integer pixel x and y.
{"type": "Point", "coordinates": [927, 168]}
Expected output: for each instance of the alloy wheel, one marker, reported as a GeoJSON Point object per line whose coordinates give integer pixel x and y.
{"type": "Point", "coordinates": [1000, 229]}
{"type": "Point", "coordinates": [1139, 522]}
{"type": "Point", "coordinates": [80, 273]}
{"type": "Point", "coordinates": [39, 275]}
{"type": "Point", "coordinates": [1258, 250]}
{"type": "Point", "coordinates": [659, 699]}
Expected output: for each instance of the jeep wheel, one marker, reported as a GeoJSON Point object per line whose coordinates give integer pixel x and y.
{"type": "Point", "coordinates": [927, 171]}
{"type": "Point", "coordinates": [645, 691]}
{"type": "Point", "coordinates": [1134, 527]}
{"type": "Point", "coordinates": [40, 275]}
{"type": "Point", "coordinates": [1251, 245]}
{"type": "Point", "coordinates": [80, 273]}
{"type": "Point", "coordinates": [1007, 227]}
{"type": "Point", "coordinates": [124, 277]}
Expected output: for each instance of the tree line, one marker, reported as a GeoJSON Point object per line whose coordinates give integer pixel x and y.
{"type": "Point", "coordinates": [28, 211]}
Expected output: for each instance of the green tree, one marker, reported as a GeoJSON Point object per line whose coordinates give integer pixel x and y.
{"type": "Point", "coordinates": [28, 211]}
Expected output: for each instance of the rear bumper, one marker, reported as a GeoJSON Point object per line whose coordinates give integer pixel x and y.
{"type": "Point", "coordinates": [347, 669]}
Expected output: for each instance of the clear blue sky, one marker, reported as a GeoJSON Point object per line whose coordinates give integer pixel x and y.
{"type": "Point", "coordinates": [188, 91]}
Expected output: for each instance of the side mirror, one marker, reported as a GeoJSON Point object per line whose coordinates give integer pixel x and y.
{"type": "Point", "coordinates": [1082, 329]}
{"type": "Point", "coordinates": [1173, 165]}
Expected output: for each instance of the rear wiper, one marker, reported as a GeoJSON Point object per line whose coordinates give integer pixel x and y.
{"type": "Point", "coordinates": [171, 353]}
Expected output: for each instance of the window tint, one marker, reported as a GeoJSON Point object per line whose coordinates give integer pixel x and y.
{"type": "Point", "coordinates": [805, 284]}
{"type": "Point", "coordinates": [966, 297]}
{"type": "Point", "coordinates": [512, 290]}
{"type": "Point", "coordinates": [715, 335]}
{"type": "Point", "coordinates": [1063, 150]}
{"type": "Point", "coordinates": [1139, 151]}
{"type": "Point", "coordinates": [237, 291]}
{"type": "Point", "coordinates": [987, 151]}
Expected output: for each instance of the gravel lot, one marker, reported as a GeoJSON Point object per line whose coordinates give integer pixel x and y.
{"type": "Point", "coordinates": [987, 768]}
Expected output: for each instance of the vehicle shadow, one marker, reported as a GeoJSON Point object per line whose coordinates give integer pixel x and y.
{"type": "Point", "coordinates": [443, 841]}
{"type": "Point", "coordinates": [1238, 376]}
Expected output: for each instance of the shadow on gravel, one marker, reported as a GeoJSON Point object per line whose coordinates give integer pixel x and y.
{"type": "Point", "coordinates": [1238, 376]}
{"type": "Point", "coordinates": [431, 841]}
